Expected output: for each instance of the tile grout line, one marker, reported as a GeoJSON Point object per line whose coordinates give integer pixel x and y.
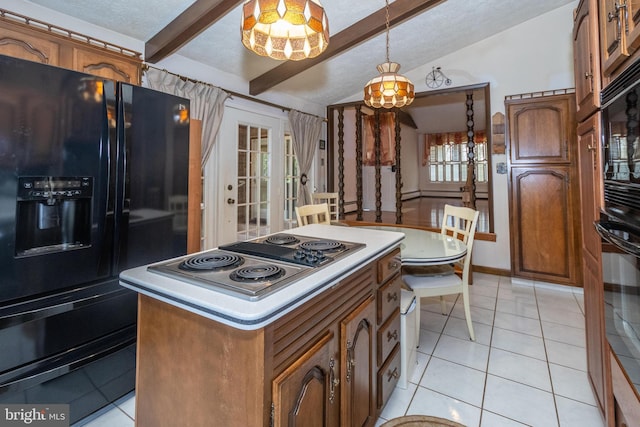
{"type": "Point", "coordinates": [546, 353]}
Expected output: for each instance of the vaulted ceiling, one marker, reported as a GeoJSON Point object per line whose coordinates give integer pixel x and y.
{"type": "Point", "coordinates": [208, 31]}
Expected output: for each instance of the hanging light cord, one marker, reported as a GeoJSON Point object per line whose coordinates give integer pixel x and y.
{"type": "Point", "coordinates": [387, 9]}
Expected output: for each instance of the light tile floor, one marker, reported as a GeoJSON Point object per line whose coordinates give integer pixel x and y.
{"type": "Point", "coordinates": [526, 368]}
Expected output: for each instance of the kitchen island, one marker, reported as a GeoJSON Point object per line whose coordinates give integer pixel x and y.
{"type": "Point", "coordinates": [324, 350]}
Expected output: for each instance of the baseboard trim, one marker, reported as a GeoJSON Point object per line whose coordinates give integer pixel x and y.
{"type": "Point", "coordinates": [491, 270]}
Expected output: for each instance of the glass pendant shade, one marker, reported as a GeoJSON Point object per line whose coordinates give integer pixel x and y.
{"type": "Point", "coordinates": [285, 29]}
{"type": "Point", "coordinates": [389, 89]}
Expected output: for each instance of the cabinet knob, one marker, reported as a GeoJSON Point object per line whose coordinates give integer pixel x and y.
{"type": "Point", "coordinates": [392, 374]}
{"type": "Point", "coordinates": [588, 75]}
{"type": "Point", "coordinates": [392, 336]}
{"type": "Point", "coordinates": [392, 296]}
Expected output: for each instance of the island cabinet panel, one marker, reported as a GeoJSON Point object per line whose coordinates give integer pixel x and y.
{"type": "Point", "coordinates": [197, 372]}
{"type": "Point", "coordinates": [357, 335]}
{"type": "Point", "coordinates": [314, 366]}
{"type": "Point", "coordinates": [304, 394]}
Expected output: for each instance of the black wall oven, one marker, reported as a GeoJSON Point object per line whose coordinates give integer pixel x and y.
{"type": "Point", "coordinates": [619, 224]}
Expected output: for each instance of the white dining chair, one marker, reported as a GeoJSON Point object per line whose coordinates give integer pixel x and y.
{"type": "Point", "coordinates": [313, 214]}
{"type": "Point", "coordinates": [459, 223]}
{"type": "Point", "coordinates": [330, 199]}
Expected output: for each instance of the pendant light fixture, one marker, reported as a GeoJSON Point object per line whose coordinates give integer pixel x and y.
{"type": "Point", "coordinates": [389, 89]}
{"type": "Point", "coordinates": [285, 29]}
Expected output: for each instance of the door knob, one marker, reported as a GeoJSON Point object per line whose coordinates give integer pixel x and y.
{"type": "Point", "coordinates": [230, 201]}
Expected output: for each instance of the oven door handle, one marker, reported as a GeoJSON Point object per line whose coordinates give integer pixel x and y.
{"type": "Point", "coordinates": [626, 246]}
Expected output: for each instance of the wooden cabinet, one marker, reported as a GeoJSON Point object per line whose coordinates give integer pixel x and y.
{"type": "Point", "coordinates": [626, 400]}
{"type": "Point", "coordinates": [315, 366]}
{"type": "Point", "coordinates": [388, 319]}
{"type": "Point", "coordinates": [591, 200]}
{"type": "Point", "coordinates": [591, 180]}
{"type": "Point", "coordinates": [305, 393]}
{"type": "Point", "coordinates": [33, 40]}
{"type": "Point", "coordinates": [357, 335]}
{"type": "Point", "coordinates": [619, 33]}
{"type": "Point", "coordinates": [544, 189]}
{"type": "Point", "coordinates": [586, 52]}
{"type": "Point", "coordinates": [541, 130]}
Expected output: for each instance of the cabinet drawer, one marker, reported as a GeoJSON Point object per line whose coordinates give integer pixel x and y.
{"type": "Point", "coordinates": [388, 299]}
{"type": "Point", "coordinates": [388, 337]}
{"type": "Point", "coordinates": [388, 377]}
{"type": "Point", "coordinates": [388, 265]}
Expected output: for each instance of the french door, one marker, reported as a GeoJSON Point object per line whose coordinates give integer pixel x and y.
{"type": "Point", "coordinates": [250, 157]}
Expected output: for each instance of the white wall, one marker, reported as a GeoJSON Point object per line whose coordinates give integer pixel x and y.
{"type": "Point", "coordinates": [534, 56]}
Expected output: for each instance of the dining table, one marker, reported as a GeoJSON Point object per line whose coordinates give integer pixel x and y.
{"type": "Point", "coordinates": [424, 248]}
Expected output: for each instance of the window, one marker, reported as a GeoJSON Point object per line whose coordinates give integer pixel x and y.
{"type": "Point", "coordinates": [291, 178]}
{"type": "Point", "coordinates": [448, 161]}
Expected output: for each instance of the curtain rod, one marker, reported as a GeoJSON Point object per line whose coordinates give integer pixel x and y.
{"type": "Point", "coordinates": [146, 66]}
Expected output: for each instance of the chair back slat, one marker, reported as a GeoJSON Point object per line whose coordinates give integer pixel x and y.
{"type": "Point", "coordinates": [313, 214]}
{"type": "Point", "coordinates": [460, 223]}
{"type": "Point", "coordinates": [331, 199]}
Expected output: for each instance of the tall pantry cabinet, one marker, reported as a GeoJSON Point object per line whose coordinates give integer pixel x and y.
{"type": "Point", "coordinates": [588, 86]}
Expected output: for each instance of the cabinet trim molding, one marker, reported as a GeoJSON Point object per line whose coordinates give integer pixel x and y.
{"type": "Point", "coordinates": [59, 32]}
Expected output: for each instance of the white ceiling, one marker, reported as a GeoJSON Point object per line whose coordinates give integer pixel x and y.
{"type": "Point", "coordinates": [428, 36]}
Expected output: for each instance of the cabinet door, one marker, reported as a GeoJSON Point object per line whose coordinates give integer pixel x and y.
{"type": "Point", "coordinates": [30, 47]}
{"type": "Point", "coordinates": [104, 65]}
{"type": "Point", "coordinates": [356, 348]}
{"type": "Point", "coordinates": [594, 327]}
{"type": "Point", "coordinates": [632, 21]}
{"type": "Point", "coordinates": [586, 59]}
{"type": "Point", "coordinates": [591, 198]}
{"type": "Point", "coordinates": [543, 224]}
{"type": "Point", "coordinates": [541, 129]}
{"type": "Point", "coordinates": [305, 394]}
{"type": "Point", "coordinates": [613, 35]}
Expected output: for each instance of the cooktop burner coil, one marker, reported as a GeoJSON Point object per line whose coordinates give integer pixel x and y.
{"type": "Point", "coordinates": [211, 262]}
{"type": "Point", "coordinates": [257, 273]}
{"type": "Point", "coordinates": [282, 239]}
{"type": "Point", "coordinates": [322, 245]}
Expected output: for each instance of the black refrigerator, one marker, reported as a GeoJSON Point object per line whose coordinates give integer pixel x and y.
{"type": "Point", "coordinates": [93, 180]}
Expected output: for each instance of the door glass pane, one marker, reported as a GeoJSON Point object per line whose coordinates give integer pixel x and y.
{"type": "Point", "coordinates": [254, 163]}
{"type": "Point", "coordinates": [242, 137]}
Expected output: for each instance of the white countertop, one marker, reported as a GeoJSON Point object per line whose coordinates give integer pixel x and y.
{"type": "Point", "coordinates": [243, 314]}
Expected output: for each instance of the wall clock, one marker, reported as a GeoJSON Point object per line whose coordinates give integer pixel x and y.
{"type": "Point", "coordinates": [436, 78]}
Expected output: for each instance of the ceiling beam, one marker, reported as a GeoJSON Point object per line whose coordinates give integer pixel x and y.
{"type": "Point", "coordinates": [366, 28]}
{"type": "Point", "coordinates": [194, 20]}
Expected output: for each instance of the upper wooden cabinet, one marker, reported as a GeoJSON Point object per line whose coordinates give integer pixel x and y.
{"type": "Point", "coordinates": [29, 39]}
{"type": "Point", "coordinates": [619, 32]}
{"type": "Point", "coordinates": [541, 130]}
{"type": "Point", "coordinates": [586, 53]}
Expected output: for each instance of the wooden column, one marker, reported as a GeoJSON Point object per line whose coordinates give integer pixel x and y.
{"type": "Point", "coordinates": [398, 130]}
{"type": "Point", "coordinates": [359, 162]}
{"type": "Point", "coordinates": [469, 190]}
{"type": "Point", "coordinates": [340, 163]}
{"type": "Point", "coordinates": [378, 154]}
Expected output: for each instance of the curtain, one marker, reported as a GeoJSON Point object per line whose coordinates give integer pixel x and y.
{"type": "Point", "coordinates": [431, 139]}
{"type": "Point", "coordinates": [305, 133]}
{"type": "Point", "coordinates": [387, 140]}
{"type": "Point", "coordinates": [207, 103]}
